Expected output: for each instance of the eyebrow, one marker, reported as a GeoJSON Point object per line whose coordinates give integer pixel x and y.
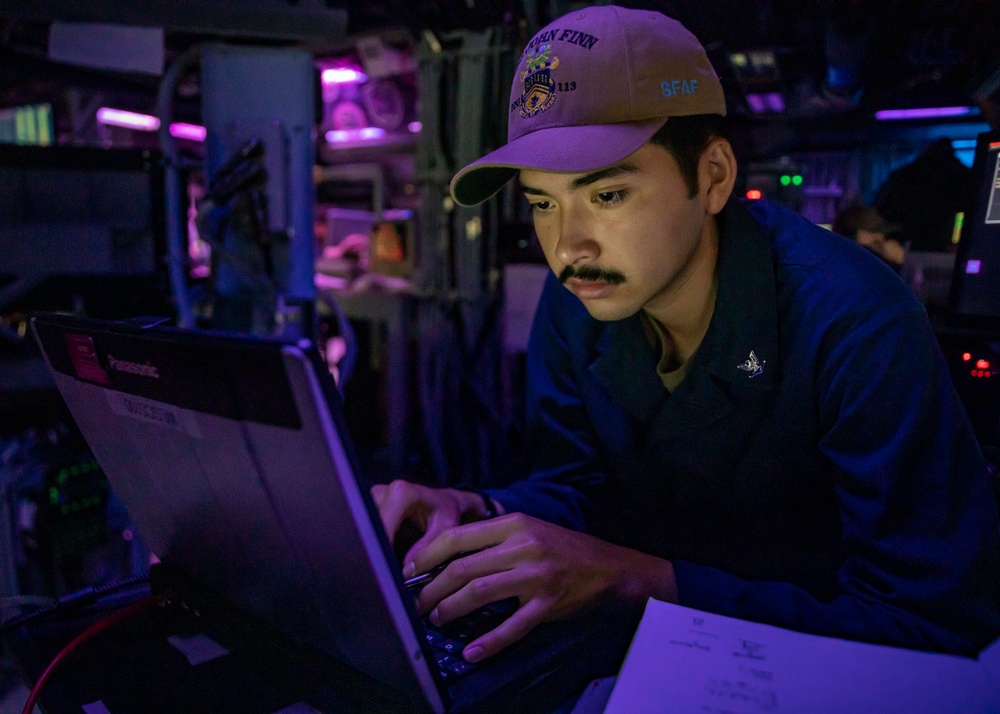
{"type": "Point", "coordinates": [625, 167]}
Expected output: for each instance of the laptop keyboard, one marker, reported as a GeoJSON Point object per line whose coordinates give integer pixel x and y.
{"type": "Point", "coordinates": [448, 641]}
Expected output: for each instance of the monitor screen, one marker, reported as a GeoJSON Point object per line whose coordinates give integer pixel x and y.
{"type": "Point", "coordinates": [82, 229]}
{"type": "Point", "coordinates": [974, 300]}
{"type": "Point", "coordinates": [80, 211]}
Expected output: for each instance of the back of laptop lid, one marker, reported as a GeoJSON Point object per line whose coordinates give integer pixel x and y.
{"type": "Point", "coordinates": [227, 457]}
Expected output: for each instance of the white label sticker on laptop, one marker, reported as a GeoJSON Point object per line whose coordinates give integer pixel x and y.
{"type": "Point", "coordinates": [151, 412]}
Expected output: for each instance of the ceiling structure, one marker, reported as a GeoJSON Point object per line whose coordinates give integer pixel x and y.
{"type": "Point", "coordinates": [785, 63]}
{"type": "Point", "coordinates": [904, 52]}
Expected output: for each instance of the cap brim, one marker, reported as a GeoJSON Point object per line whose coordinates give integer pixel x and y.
{"type": "Point", "coordinates": [571, 149]}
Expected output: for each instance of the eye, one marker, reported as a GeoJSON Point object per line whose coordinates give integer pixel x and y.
{"type": "Point", "coordinates": [540, 206]}
{"type": "Point", "coordinates": [610, 198]}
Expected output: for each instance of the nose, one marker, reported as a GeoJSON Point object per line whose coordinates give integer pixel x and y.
{"type": "Point", "coordinates": [575, 243]}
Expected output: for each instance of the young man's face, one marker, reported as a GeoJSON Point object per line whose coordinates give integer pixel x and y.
{"type": "Point", "coordinates": [621, 238]}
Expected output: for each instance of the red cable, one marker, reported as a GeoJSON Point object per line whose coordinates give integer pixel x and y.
{"type": "Point", "coordinates": [87, 634]}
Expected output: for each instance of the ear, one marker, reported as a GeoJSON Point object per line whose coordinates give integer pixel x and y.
{"type": "Point", "coordinates": [716, 174]}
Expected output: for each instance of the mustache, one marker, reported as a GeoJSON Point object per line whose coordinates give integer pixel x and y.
{"type": "Point", "coordinates": [588, 272]}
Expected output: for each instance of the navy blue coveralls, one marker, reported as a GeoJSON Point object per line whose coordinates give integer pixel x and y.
{"type": "Point", "coordinates": [815, 469]}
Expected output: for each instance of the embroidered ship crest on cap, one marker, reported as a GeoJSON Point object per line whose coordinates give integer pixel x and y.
{"type": "Point", "coordinates": [539, 87]}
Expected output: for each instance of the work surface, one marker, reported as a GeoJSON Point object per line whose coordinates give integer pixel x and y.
{"type": "Point", "coordinates": [173, 658]}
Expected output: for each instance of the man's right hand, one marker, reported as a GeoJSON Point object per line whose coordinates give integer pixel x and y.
{"type": "Point", "coordinates": [430, 510]}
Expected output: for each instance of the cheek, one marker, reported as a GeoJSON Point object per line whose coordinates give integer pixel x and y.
{"type": "Point", "coordinates": [544, 233]}
{"type": "Point", "coordinates": [544, 236]}
{"type": "Point", "coordinates": [666, 239]}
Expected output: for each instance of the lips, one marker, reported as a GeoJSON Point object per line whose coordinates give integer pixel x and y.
{"type": "Point", "coordinates": [590, 289]}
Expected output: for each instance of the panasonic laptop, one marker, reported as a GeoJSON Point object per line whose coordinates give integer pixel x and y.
{"type": "Point", "coordinates": [231, 456]}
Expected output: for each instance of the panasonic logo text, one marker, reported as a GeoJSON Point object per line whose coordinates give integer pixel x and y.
{"type": "Point", "coordinates": [145, 370]}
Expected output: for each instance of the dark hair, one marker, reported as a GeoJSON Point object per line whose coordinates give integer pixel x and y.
{"type": "Point", "coordinates": [858, 217]}
{"type": "Point", "coordinates": [686, 138]}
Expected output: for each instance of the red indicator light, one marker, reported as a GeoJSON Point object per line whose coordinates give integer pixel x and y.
{"type": "Point", "coordinates": [982, 364]}
{"type": "Point", "coordinates": [966, 356]}
{"type": "Point", "coordinates": [973, 373]}
{"type": "Point", "coordinates": [754, 194]}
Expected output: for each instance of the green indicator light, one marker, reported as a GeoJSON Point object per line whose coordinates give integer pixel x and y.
{"type": "Point", "coordinates": [84, 468]}
{"type": "Point", "coordinates": [74, 470]}
{"type": "Point", "coordinates": [956, 231]}
{"type": "Point", "coordinates": [44, 115]}
{"type": "Point", "coordinates": [797, 180]}
{"type": "Point", "coordinates": [63, 477]}
{"type": "Point", "coordinates": [785, 179]}
{"type": "Point", "coordinates": [53, 494]}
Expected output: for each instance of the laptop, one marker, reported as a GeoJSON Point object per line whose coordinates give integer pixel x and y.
{"type": "Point", "coordinates": [231, 455]}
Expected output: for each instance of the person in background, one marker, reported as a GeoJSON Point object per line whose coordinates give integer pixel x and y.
{"type": "Point", "coordinates": [866, 227]}
{"type": "Point", "coordinates": [729, 407]}
{"type": "Point", "coordinates": [922, 198]}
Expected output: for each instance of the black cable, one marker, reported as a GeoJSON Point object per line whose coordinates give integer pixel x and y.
{"type": "Point", "coordinates": [184, 63]}
{"type": "Point", "coordinates": [73, 602]}
{"type": "Point", "coordinates": [177, 252]}
{"type": "Point", "coordinates": [346, 365]}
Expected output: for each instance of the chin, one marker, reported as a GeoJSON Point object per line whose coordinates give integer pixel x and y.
{"type": "Point", "coordinates": [609, 312]}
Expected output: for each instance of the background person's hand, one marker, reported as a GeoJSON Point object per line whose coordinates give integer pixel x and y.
{"type": "Point", "coordinates": [552, 571]}
{"type": "Point", "coordinates": [430, 511]}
